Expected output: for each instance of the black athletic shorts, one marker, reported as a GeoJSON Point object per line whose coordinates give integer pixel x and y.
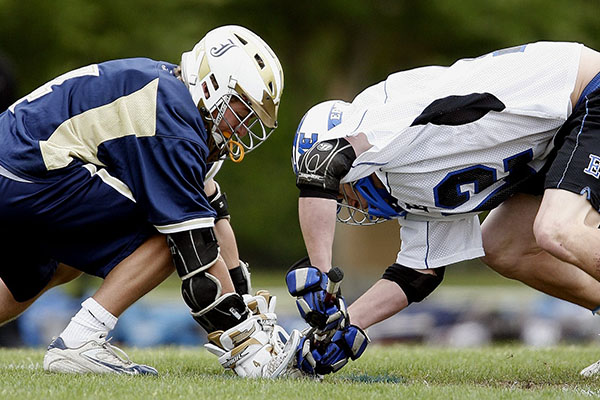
{"type": "Point", "coordinates": [576, 167]}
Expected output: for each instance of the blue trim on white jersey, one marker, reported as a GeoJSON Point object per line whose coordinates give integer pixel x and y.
{"type": "Point", "coordinates": [369, 163]}
{"type": "Point", "coordinates": [426, 260]}
{"type": "Point", "coordinates": [361, 120]}
{"type": "Point", "coordinates": [510, 50]}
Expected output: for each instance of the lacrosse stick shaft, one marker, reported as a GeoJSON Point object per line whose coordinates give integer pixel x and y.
{"type": "Point", "coordinates": [335, 276]}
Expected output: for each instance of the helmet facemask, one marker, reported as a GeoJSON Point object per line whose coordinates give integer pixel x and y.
{"type": "Point", "coordinates": [366, 203]}
{"type": "Point", "coordinates": [229, 66]}
{"type": "Point", "coordinates": [235, 126]}
{"type": "Point", "coordinates": [349, 213]}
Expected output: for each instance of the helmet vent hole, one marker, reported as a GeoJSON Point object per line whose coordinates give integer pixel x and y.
{"type": "Point", "coordinates": [259, 61]}
{"type": "Point", "coordinates": [241, 39]}
{"type": "Point", "coordinates": [214, 82]}
{"type": "Point", "coordinates": [271, 86]}
{"type": "Point", "coordinates": [205, 90]}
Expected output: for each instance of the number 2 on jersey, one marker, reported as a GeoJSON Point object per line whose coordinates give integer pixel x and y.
{"type": "Point", "coordinates": [451, 192]}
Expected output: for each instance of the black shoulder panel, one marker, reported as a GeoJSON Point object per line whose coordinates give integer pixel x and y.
{"type": "Point", "coordinates": [459, 110]}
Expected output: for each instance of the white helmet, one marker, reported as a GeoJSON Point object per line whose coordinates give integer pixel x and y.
{"type": "Point", "coordinates": [316, 126]}
{"type": "Point", "coordinates": [233, 62]}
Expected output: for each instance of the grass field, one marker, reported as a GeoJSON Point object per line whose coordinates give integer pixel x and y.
{"type": "Point", "coordinates": [391, 372]}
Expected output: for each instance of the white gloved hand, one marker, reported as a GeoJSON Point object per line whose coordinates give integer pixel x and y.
{"type": "Point", "coordinates": [257, 347]}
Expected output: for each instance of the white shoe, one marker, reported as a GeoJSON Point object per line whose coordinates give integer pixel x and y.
{"type": "Point", "coordinates": [96, 356]}
{"type": "Point", "coordinates": [592, 370]}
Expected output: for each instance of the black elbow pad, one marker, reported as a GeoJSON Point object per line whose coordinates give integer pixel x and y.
{"type": "Point", "coordinates": [193, 251]}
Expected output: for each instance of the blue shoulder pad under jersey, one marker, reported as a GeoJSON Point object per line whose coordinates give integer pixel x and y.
{"type": "Point", "coordinates": [133, 118]}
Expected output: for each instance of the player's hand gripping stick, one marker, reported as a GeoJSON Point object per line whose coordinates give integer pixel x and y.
{"type": "Point", "coordinates": [317, 296]}
{"type": "Point", "coordinates": [335, 276]}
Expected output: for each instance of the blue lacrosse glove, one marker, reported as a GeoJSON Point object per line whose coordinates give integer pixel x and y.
{"type": "Point", "coordinates": [325, 358]}
{"type": "Point", "coordinates": [305, 360]}
{"type": "Point", "coordinates": [308, 284]}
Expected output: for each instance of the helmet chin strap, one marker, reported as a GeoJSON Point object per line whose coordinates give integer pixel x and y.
{"type": "Point", "coordinates": [216, 140]}
{"type": "Point", "coordinates": [231, 144]}
{"type": "Point", "coordinates": [217, 136]}
{"type": "Point", "coordinates": [223, 140]}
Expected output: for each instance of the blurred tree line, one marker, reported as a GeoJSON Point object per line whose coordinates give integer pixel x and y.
{"type": "Point", "coordinates": [329, 49]}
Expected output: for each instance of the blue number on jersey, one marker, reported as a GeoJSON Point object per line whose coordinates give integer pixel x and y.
{"type": "Point", "coordinates": [450, 192]}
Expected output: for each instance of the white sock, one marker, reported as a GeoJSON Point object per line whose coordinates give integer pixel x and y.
{"type": "Point", "coordinates": [91, 319]}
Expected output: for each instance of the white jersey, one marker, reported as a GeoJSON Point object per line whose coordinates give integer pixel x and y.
{"type": "Point", "coordinates": [449, 141]}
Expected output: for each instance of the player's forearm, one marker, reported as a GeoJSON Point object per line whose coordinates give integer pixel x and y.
{"type": "Point", "coordinates": [219, 270]}
{"type": "Point", "coordinates": [227, 243]}
{"type": "Point", "coordinates": [317, 221]}
{"type": "Point", "coordinates": [384, 299]}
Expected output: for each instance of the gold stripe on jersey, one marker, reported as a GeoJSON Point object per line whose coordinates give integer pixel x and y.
{"type": "Point", "coordinates": [110, 180]}
{"type": "Point", "coordinates": [80, 136]}
{"type": "Point", "coordinates": [196, 223]}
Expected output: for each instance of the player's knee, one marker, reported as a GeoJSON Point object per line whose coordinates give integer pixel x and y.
{"type": "Point", "coordinates": [507, 265]}
{"type": "Point", "coordinates": [495, 251]}
{"type": "Point", "coordinates": [500, 254]}
{"type": "Point", "coordinates": [551, 234]}
{"type": "Point", "coordinates": [503, 259]}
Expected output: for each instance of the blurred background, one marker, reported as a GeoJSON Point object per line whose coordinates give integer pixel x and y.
{"type": "Point", "coordinates": [329, 49]}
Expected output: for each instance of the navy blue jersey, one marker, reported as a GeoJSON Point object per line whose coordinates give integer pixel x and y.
{"type": "Point", "coordinates": [131, 122]}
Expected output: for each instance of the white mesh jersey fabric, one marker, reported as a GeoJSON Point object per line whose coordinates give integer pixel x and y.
{"type": "Point", "coordinates": [419, 163]}
{"type": "Point", "coordinates": [534, 85]}
{"type": "Point", "coordinates": [433, 244]}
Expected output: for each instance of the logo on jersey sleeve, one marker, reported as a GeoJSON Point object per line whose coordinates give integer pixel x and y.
{"type": "Point", "coordinates": [335, 116]}
{"type": "Point", "coordinates": [593, 167]}
{"type": "Point", "coordinates": [302, 143]}
{"type": "Point", "coordinates": [305, 141]}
